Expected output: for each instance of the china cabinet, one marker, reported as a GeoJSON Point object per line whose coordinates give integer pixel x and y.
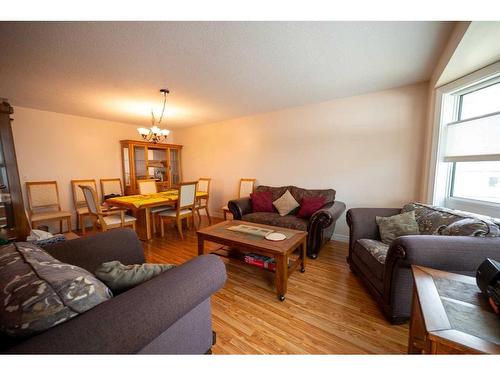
{"type": "Point", "coordinates": [145, 160]}
{"type": "Point", "coordinates": [13, 221]}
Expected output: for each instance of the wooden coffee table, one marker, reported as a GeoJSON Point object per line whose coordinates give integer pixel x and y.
{"type": "Point", "coordinates": [279, 250]}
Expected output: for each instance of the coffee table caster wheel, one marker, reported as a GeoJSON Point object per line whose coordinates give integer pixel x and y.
{"type": "Point", "coordinates": [281, 297]}
{"type": "Point", "coordinates": [302, 270]}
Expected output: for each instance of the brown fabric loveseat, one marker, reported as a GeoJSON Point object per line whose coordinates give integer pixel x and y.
{"type": "Point", "coordinates": [449, 240]}
{"type": "Point", "coordinates": [320, 226]}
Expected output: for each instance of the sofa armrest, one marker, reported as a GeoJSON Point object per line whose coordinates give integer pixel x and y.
{"type": "Point", "coordinates": [327, 216]}
{"type": "Point", "coordinates": [240, 207]}
{"type": "Point", "coordinates": [447, 253]}
{"type": "Point", "coordinates": [128, 322]}
{"type": "Point", "coordinates": [89, 252]}
{"type": "Point", "coordinates": [362, 224]}
{"type": "Point", "coordinates": [456, 254]}
{"type": "Point", "coordinates": [321, 226]}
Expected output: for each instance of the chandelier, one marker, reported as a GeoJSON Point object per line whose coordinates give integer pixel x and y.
{"type": "Point", "coordinates": [155, 134]}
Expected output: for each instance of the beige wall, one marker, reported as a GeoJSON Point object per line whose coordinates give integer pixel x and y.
{"type": "Point", "coordinates": [54, 146]}
{"type": "Point", "coordinates": [368, 148]}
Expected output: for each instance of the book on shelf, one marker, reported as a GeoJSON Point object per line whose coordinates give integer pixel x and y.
{"type": "Point", "coordinates": [260, 261]}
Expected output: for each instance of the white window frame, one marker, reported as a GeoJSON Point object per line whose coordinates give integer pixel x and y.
{"type": "Point", "coordinates": [447, 102]}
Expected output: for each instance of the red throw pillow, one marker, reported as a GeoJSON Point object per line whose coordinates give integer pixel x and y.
{"type": "Point", "coordinates": [309, 206]}
{"type": "Point", "coordinates": [262, 201]}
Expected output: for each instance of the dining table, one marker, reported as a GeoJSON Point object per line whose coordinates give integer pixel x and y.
{"type": "Point", "coordinates": [140, 206]}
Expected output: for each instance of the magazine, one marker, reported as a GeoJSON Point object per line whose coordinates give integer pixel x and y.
{"type": "Point", "coordinates": [250, 229]}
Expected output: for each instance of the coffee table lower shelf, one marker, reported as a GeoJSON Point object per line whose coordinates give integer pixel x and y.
{"type": "Point", "coordinates": [238, 255]}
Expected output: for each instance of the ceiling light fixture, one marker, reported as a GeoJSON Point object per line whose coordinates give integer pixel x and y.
{"type": "Point", "coordinates": [155, 134]}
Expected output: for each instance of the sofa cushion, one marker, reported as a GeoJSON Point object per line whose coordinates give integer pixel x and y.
{"type": "Point", "coordinates": [40, 292]}
{"type": "Point", "coordinates": [285, 204]}
{"type": "Point", "coordinates": [273, 218]}
{"type": "Point", "coordinates": [310, 205]}
{"type": "Point", "coordinates": [370, 262]}
{"type": "Point", "coordinates": [299, 194]}
{"type": "Point", "coordinates": [433, 220]}
{"type": "Point", "coordinates": [376, 248]}
{"type": "Point", "coordinates": [396, 226]}
{"type": "Point", "coordinates": [262, 201]}
{"type": "Point", "coordinates": [466, 227]}
{"type": "Point", "coordinates": [276, 192]}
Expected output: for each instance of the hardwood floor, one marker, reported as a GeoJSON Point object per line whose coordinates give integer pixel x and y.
{"type": "Point", "coordinates": [326, 311]}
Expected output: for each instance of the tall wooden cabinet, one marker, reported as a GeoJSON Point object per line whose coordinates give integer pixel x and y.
{"type": "Point", "coordinates": [143, 160]}
{"type": "Point", "coordinates": [13, 221]}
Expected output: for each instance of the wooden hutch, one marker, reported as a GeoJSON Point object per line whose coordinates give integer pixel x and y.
{"type": "Point", "coordinates": [13, 221]}
{"type": "Point", "coordinates": [146, 160]}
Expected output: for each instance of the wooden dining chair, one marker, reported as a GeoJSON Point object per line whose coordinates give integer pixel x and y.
{"type": "Point", "coordinates": [105, 219]}
{"type": "Point", "coordinates": [247, 186]}
{"type": "Point", "coordinates": [184, 210]}
{"type": "Point", "coordinates": [44, 204]}
{"type": "Point", "coordinates": [111, 186]}
{"type": "Point", "coordinates": [79, 201]}
{"type": "Point", "coordinates": [149, 187]}
{"type": "Point", "coordinates": [202, 203]}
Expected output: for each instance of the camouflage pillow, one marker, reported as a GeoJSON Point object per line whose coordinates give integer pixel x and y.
{"type": "Point", "coordinates": [396, 226]}
{"type": "Point", "coordinates": [466, 227]}
{"type": "Point", "coordinates": [39, 292]}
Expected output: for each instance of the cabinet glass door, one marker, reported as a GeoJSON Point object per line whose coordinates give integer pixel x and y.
{"type": "Point", "coordinates": [140, 172]}
{"type": "Point", "coordinates": [126, 167]}
{"type": "Point", "coordinates": [6, 214]}
{"type": "Point", "coordinates": [175, 167]}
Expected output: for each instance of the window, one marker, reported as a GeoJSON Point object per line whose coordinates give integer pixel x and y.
{"type": "Point", "coordinates": [480, 102]}
{"type": "Point", "coordinates": [467, 174]}
{"type": "Point", "coordinates": [478, 180]}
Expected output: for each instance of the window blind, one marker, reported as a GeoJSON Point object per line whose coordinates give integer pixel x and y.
{"type": "Point", "coordinates": [475, 139]}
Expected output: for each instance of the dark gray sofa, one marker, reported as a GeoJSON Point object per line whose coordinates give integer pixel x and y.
{"type": "Point", "coordinates": [320, 226]}
{"type": "Point", "coordinates": [169, 314]}
{"type": "Point", "coordinates": [389, 280]}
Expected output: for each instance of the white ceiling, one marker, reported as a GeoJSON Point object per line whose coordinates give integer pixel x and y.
{"type": "Point", "coordinates": [215, 70]}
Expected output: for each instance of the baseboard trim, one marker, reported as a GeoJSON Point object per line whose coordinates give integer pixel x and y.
{"type": "Point", "coordinates": [340, 237]}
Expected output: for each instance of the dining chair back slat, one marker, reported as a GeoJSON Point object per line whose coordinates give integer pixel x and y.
{"type": "Point", "coordinates": [78, 196]}
{"type": "Point", "coordinates": [42, 194]}
{"type": "Point", "coordinates": [91, 199]}
{"type": "Point", "coordinates": [187, 195]}
{"type": "Point", "coordinates": [111, 186]}
{"type": "Point", "coordinates": [246, 187]}
{"type": "Point", "coordinates": [203, 184]}
{"type": "Point", "coordinates": [147, 187]}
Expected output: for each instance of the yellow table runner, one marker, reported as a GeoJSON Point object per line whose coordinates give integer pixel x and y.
{"type": "Point", "coordinates": [142, 200]}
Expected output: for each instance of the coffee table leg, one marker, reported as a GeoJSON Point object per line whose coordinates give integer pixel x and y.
{"type": "Point", "coordinates": [303, 256]}
{"type": "Point", "coordinates": [281, 276]}
{"type": "Point", "coordinates": [201, 245]}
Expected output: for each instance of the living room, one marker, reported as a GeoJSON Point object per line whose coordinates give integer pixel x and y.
{"type": "Point", "coordinates": [250, 187]}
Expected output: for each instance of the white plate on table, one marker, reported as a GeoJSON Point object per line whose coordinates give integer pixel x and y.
{"type": "Point", "coordinates": [275, 236]}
